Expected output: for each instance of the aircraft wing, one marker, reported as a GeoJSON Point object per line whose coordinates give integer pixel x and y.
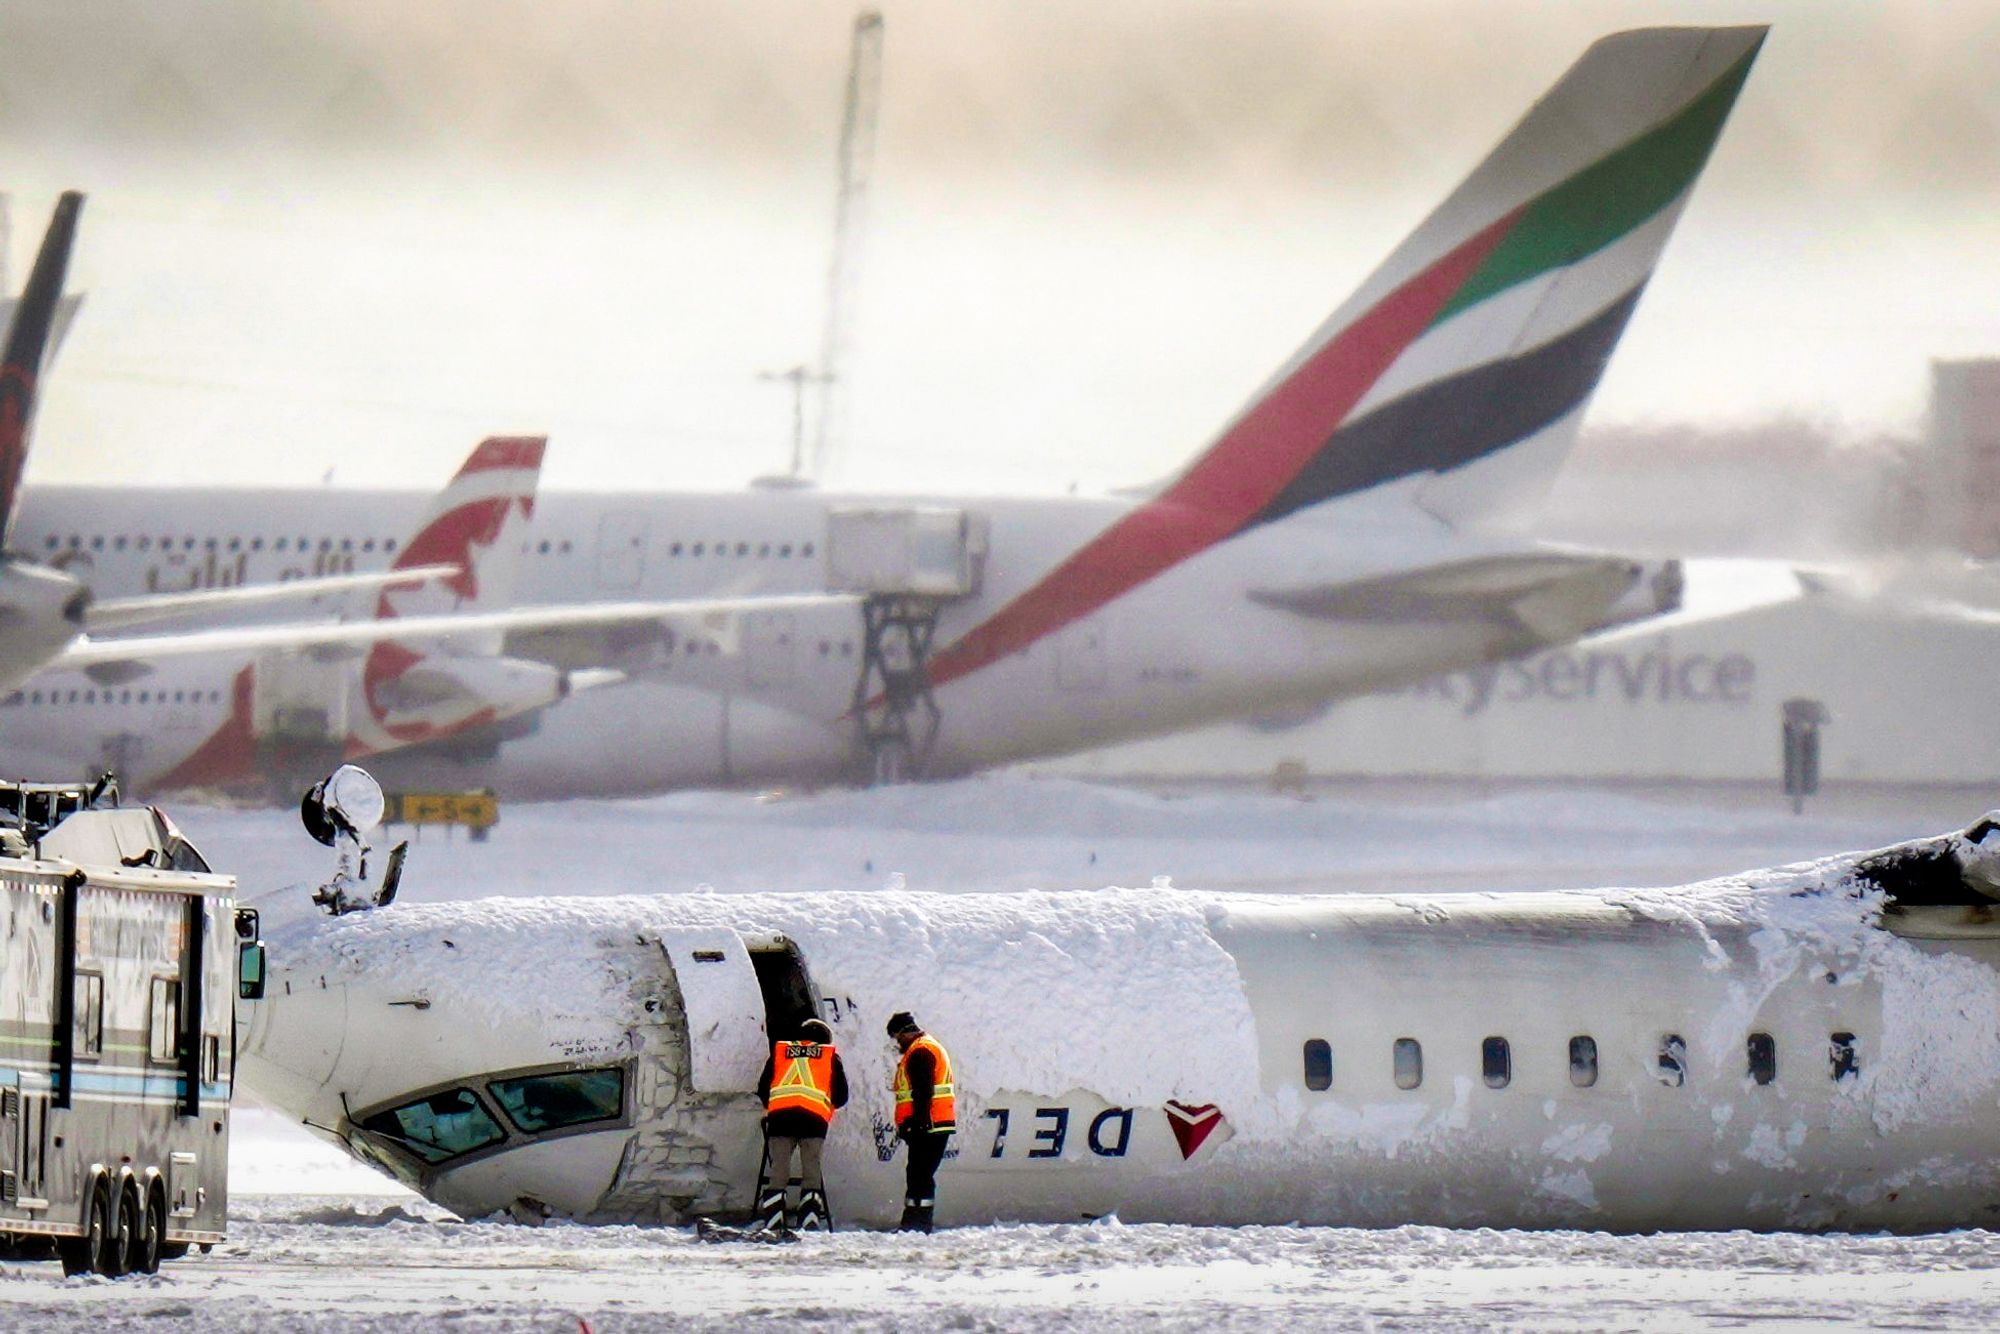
{"type": "Point", "coordinates": [336, 639]}
{"type": "Point", "coordinates": [122, 613]}
{"type": "Point", "coordinates": [1545, 596]}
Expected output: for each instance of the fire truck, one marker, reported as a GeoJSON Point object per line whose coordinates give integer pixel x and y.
{"type": "Point", "coordinates": [122, 957]}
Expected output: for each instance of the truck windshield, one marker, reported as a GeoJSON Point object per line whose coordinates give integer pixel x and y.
{"type": "Point", "coordinates": [438, 1126]}
{"type": "Point", "coordinates": [567, 1098]}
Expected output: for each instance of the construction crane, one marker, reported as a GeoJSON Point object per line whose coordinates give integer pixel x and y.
{"type": "Point", "coordinates": [859, 114]}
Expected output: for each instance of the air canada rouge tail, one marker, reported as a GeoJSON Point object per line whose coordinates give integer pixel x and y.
{"type": "Point", "coordinates": [27, 350]}
{"type": "Point", "coordinates": [1461, 367]}
{"type": "Point", "coordinates": [477, 524]}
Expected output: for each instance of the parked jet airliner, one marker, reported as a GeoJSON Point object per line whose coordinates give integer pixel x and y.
{"type": "Point", "coordinates": [1350, 529]}
{"type": "Point", "coordinates": [1810, 1047]}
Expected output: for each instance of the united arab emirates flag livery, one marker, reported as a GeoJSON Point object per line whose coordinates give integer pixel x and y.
{"type": "Point", "coordinates": [1486, 330]}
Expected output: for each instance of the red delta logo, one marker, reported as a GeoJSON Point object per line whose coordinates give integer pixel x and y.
{"type": "Point", "coordinates": [1195, 1127]}
{"type": "Point", "coordinates": [1085, 1134]}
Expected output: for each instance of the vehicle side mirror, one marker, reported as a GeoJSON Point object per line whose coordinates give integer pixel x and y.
{"type": "Point", "coordinates": [250, 971]}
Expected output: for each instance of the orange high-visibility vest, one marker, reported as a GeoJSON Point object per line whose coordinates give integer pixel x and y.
{"type": "Point", "coordinates": [802, 1079]}
{"type": "Point", "coordinates": [944, 1106]}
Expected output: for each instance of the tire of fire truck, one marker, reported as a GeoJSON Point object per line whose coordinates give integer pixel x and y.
{"type": "Point", "coordinates": [79, 1254]}
{"type": "Point", "coordinates": [152, 1227]}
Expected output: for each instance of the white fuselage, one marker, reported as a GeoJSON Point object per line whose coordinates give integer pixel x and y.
{"type": "Point", "coordinates": [1760, 1053]}
{"type": "Point", "coordinates": [773, 701]}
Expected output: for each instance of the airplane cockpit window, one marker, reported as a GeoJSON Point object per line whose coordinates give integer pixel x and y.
{"type": "Point", "coordinates": [1409, 1063]}
{"type": "Point", "coordinates": [535, 1103]}
{"type": "Point", "coordinates": [1583, 1061]}
{"type": "Point", "coordinates": [438, 1126]}
{"type": "Point", "coordinates": [1319, 1065]}
{"type": "Point", "coordinates": [1673, 1060]}
{"type": "Point", "coordinates": [1763, 1053]}
{"type": "Point", "coordinates": [1840, 1051]}
{"type": "Point", "coordinates": [1496, 1063]}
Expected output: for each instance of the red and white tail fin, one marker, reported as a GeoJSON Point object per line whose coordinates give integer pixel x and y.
{"type": "Point", "coordinates": [478, 523]}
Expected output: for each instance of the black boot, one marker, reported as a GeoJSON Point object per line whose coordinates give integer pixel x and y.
{"type": "Point", "coordinates": [924, 1212]}
{"type": "Point", "coordinates": [814, 1216]}
{"type": "Point", "coordinates": [912, 1219]}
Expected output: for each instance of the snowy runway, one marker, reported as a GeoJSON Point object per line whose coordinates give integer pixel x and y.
{"type": "Point", "coordinates": [374, 1263]}
{"type": "Point", "coordinates": [358, 1255]}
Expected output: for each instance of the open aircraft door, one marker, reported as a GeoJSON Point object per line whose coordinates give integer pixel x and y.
{"type": "Point", "coordinates": [724, 1006]}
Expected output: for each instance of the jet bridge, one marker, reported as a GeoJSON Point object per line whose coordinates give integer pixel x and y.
{"type": "Point", "coordinates": [907, 562]}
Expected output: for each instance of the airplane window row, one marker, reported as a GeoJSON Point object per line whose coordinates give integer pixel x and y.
{"type": "Point", "coordinates": [763, 550]}
{"type": "Point", "coordinates": [77, 542]}
{"type": "Point", "coordinates": [456, 1121]}
{"type": "Point", "coordinates": [155, 697]}
{"type": "Point", "coordinates": [1496, 1061]}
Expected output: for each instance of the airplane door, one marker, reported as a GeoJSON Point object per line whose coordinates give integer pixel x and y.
{"type": "Point", "coordinates": [1080, 664]}
{"type": "Point", "coordinates": [770, 646]}
{"type": "Point", "coordinates": [621, 550]}
{"type": "Point", "coordinates": [724, 1006]}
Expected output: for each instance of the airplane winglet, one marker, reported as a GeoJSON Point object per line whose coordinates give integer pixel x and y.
{"type": "Point", "coordinates": [27, 348]}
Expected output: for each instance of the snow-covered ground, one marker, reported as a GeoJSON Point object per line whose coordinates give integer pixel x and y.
{"type": "Point", "coordinates": [317, 1241]}
{"type": "Point", "coordinates": [373, 1264]}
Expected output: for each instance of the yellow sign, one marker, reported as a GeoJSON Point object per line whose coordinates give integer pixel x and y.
{"type": "Point", "coordinates": [471, 810]}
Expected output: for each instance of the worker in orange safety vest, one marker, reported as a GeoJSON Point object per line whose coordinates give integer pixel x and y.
{"type": "Point", "coordinates": [802, 1085]}
{"type": "Point", "coordinates": [926, 1114]}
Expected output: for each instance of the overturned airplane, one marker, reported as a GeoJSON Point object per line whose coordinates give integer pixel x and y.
{"type": "Point", "coordinates": [1811, 1047]}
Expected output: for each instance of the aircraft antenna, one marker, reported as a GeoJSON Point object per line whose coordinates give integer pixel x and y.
{"type": "Point", "coordinates": [859, 114]}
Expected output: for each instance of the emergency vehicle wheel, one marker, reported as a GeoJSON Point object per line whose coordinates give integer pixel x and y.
{"type": "Point", "coordinates": [122, 1236]}
{"type": "Point", "coordinates": [79, 1254]}
{"type": "Point", "coordinates": [103, 1239]}
{"type": "Point", "coordinates": [152, 1227]}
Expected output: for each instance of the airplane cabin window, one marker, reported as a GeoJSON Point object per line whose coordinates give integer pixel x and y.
{"type": "Point", "coordinates": [806, 550]}
{"type": "Point", "coordinates": [1496, 1063]}
{"type": "Point", "coordinates": [440, 1126]}
{"type": "Point", "coordinates": [535, 1103]}
{"type": "Point", "coordinates": [1319, 1065]}
{"type": "Point", "coordinates": [1409, 1063]}
{"type": "Point", "coordinates": [1673, 1060]}
{"type": "Point", "coordinates": [697, 549]}
{"type": "Point", "coordinates": [1763, 1053]}
{"type": "Point", "coordinates": [1840, 1051]}
{"type": "Point", "coordinates": [389, 545]}
{"type": "Point", "coordinates": [1583, 1061]}
{"type": "Point", "coordinates": [50, 542]}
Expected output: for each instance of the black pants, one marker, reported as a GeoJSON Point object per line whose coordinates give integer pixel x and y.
{"type": "Point", "coordinates": [920, 1177]}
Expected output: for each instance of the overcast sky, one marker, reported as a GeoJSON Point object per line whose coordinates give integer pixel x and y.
{"type": "Point", "coordinates": [359, 236]}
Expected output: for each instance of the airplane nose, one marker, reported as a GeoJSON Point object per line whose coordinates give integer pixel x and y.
{"type": "Point", "coordinates": [295, 1052]}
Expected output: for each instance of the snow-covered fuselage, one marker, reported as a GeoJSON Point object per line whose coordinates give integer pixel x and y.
{"type": "Point", "coordinates": [770, 699]}
{"type": "Point", "coordinates": [1793, 1049]}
